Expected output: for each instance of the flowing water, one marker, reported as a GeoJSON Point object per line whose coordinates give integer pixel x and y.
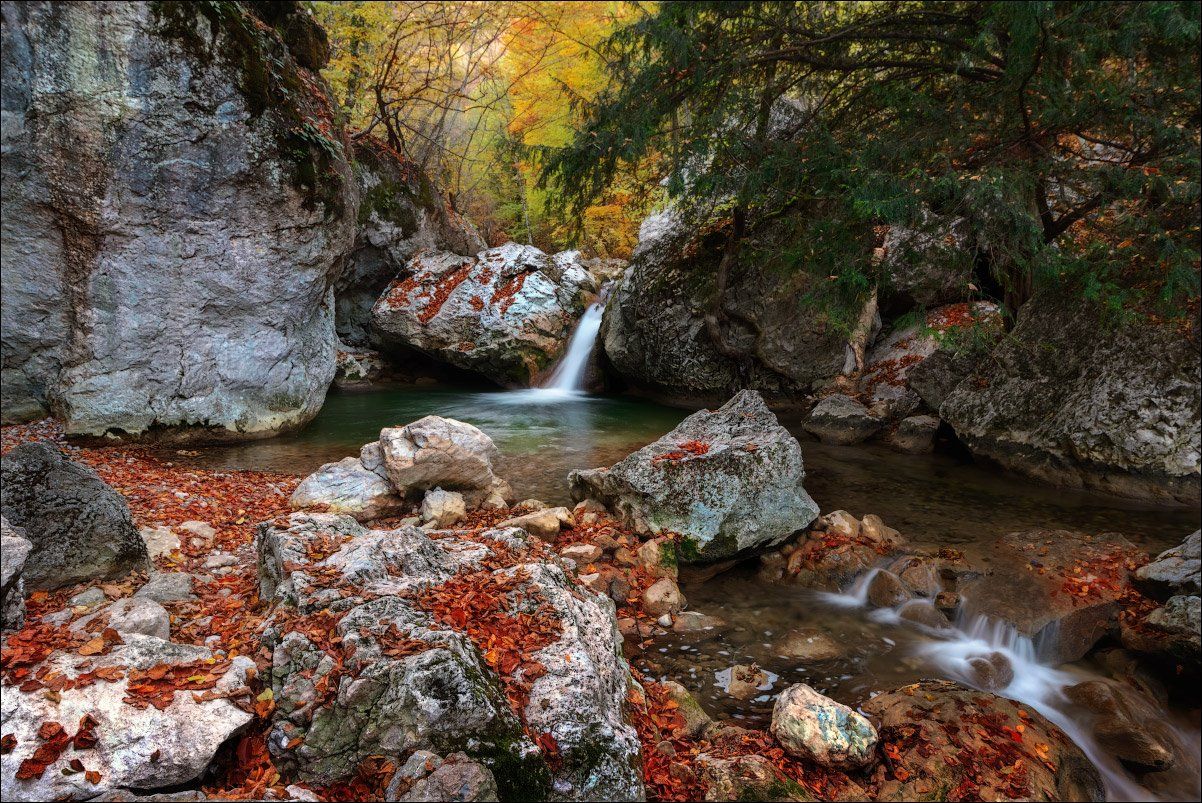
{"type": "Point", "coordinates": [935, 500]}
{"type": "Point", "coordinates": [568, 376]}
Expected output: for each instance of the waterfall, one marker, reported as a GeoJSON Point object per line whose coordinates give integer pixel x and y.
{"type": "Point", "coordinates": [568, 376]}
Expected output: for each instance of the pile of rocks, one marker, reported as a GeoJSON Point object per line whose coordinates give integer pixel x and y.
{"type": "Point", "coordinates": [443, 464]}
{"type": "Point", "coordinates": [1171, 631]}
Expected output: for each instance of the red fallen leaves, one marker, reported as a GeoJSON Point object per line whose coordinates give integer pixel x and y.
{"type": "Point", "coordinates": [683, 450]}
{"type": "Point", "coordinates": [505, 294]}
{"type": "Point", "coordinates": [55, 740]}
{"type": "Point", "coordinates": [157, 685]}
{"type": "Point", "coordinates": [442, 290]}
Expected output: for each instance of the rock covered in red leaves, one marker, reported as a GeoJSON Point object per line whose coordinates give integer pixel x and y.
{"type": "Point", "coordinates": [141, 714]}
{"type": "Point", "coordinates": [506, 313]}
{"type": "Point", "coordinates": [388, 641]}
{"type": "Point", "coordinates": [944, 741]}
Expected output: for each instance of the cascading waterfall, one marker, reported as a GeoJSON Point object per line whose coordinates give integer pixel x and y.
{"type": "Point", "coordinates": [568, 376]}
{"type": "Point", "coordinates": [1035, 684]}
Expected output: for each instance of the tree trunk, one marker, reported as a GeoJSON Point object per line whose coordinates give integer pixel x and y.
{"type": "Point", "coordinates": [717, 311]}
{"type": "Point", "coordinates": [860, 338]}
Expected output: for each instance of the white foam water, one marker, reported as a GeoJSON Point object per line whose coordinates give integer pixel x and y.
{"type": "Point", "coordinates": [568, 376]}
{"type": "Point", "coordinates": [1035, 684]}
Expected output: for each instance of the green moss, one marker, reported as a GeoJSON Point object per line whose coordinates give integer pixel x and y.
{"type": "Point", "coordinates": [690, 552]}
{"type": "Point", "coordinates": [667, 554]}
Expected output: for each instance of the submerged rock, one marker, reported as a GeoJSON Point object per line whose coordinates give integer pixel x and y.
{"type": "Point", "coordinates": [915, 435]}
{"type": "Point", "coordinates": [79, 527]}
{"type": "Point", "coordinates": [506, 313]}
{"type": "Point", "coordinates": [840, 419]}
{"type": "Point", "coordinates": [808, 644]}
{"type": "Point", "coordinates": [1126, 725]}
{"type": "Point", "coordinates": [137, 746]}
{"type": "Point", "coordinates": [1072, 398]}
{"type": "Point", "coordinates": [811, 726]}
{"type": "Point", "coordinates": [727, 481]}
{"type": "Point", "coordinates": [177, 201]}
{"type": "Point", "coordinates": [932, 724]}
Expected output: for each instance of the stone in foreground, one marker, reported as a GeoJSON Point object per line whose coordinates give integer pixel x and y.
{"type": "Point", "coordinates": [728, 481]}
{"type": "Point", "coordinates": [933, 723]}
{"type": "Point", "coordinates": [185, 735]}
{"type": "Point", "coordinates": [812, 726]}
{"type": "Point", "coordinates": [356, 486]}
{"type": "Point", "coordinates": [79, 527]}
{"type": "Point", "coordinates": [399, 679]}
{"type": "Point", "coordinates": [14, 549]}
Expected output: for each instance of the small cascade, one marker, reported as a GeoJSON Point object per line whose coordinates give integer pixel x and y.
{"type": "Point", "coordinates": [568, 376]}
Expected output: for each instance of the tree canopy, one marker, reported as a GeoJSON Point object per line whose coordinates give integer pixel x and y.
{"type": "Point", "coordinates": [1062, 137]}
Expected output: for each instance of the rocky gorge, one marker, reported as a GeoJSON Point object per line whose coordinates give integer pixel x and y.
{"type": "Point", "coordinates": [300, 504]}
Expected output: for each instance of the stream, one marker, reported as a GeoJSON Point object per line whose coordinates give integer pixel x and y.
{"type": "Point", "coordinates": [935, 500]}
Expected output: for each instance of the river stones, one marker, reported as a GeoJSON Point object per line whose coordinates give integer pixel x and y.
{"type": "Point", "coordinates": [506, 313]}
{"type": "Point", "coordinates": [840, 419]}
{"type": "Point", "coordinates": [1126, 725]}
{"type": "Point", "coordinates": [349, 486]}
{"type": "Point", "coordinates": [1171, 632]}
{"type": "Point", "coordinates": [440, 509]}
{"type": "Point", "coordinates": [78, 526]}
{"type": "Point", "coordinates": [545, 523]}
{"type": "Point", "coordinates": [886, 591]}
{"type": "Point", "coordinates": [696, 720]}
{"type": "Point", "coordinates": [949, 737]}
{"type": "Point", "coordinates": [728, 481]}
{"type": "Point", "coordinates": [915, 434]}
{"type": "Point", "coordinates": [436, 451]}
{"type": "Point", "coordinates": [663, 596]}
{"type": "Point", "coordinates": [812, 726]}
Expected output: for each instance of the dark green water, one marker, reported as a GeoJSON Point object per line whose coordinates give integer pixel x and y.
{"type": "Point", "coordinates": [933, 499]}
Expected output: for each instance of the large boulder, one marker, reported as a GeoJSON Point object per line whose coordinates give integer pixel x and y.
{"type": "Point", "coordinates": [944, 738]}
{"type": "Point", "coordinates": [401, 212]}
{"type": "Point", "coordinates": [1073, 398]}
{"type": "Point", "coordinates": [383, 673]}
{"type": "Point", "coordinates": [141, 742]}
{"type": "Point", "coordinates": [654, 332]}
{"type": "Point", "coordinates": [176, 203]}
{"type": "Point", "coordinates": [1062, 589]}
{"type": "Point", "coordinates": [14, 549]}
{"type": "Point", "coordinates": [725, 481]}
{"type": "Point", "coordinates": [80, 528]}
{"type": "Point", "coordinates": [506, 313]}
{"type": "Point", "coordinates": [1172, 632]}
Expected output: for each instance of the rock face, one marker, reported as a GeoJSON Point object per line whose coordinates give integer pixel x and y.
{"type": "Point", "coordinates": [1073, 399]}
{"type": "Point", "coordinates": [176, 202]}
{"type": "Point", "coordinates": [401, 212]}
{"type": "Point", "coordinates": [811, 726]}
{"type": "Point", "coordinates": [654, 333]}
{"type": "Point", "coordinates": [79, 527]}
{"type": "Point", "coordinates": [185, 735]}
{"type": "Point", "coordinates": [726, 481]}
{"type": "Point", "coordinates": [932, 723]}
{"type": "Point", "coordinates": [14, 549]}
{"type": "Point", "coordinates": [506, 313]}
{"type": "Point", "coordinates": [1172, 632]}
{"type": "Point", "coordinates": [885, 385]}
{"type": "Point", "coordinates": [396, 679]}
